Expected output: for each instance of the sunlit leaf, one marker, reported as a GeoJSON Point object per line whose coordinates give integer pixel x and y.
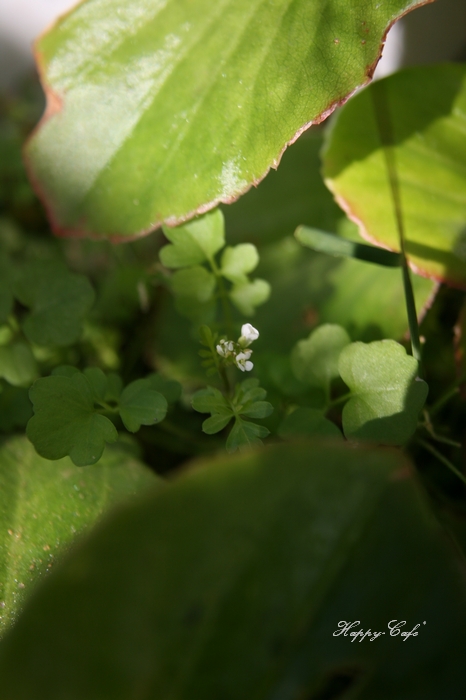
{"type": "Point", "coordinates": [426, 118]}
{"type": "Point", "coordinates": [239, 261]}
{"type": "Point", "coordinates": [160, 110]}
{"type": "Point", "coordinates": [387, 394]}
{"type": "Point", "coordinates": [195, 242]}
{"type": "Point", "coordinates": [248, 295]}
{"type": "Point", "coordinates": [194, 283]}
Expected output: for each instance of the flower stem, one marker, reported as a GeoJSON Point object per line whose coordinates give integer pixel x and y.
{"type": "Point", "coordinates": [384, 125]}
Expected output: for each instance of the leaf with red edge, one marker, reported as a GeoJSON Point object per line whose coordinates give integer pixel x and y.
{"type": "Point", "coordinates": [157, 110]}
{"type": "Point", "coordinates": [427, 121]}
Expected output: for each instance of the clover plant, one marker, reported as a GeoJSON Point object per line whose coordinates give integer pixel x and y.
{"type": "Point", "coordinates": [232, 410]}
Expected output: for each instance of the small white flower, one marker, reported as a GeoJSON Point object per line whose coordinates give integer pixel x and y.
{"type": "Point", "coordinates": [248, 334]}
{"type": "Point", "coordinates": [242, 361]}
{"type": "Point", "coordinates": [225, 348]}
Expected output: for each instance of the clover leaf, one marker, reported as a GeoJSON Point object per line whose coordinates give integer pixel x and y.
{"type": "Point", "coordinates": [194, 242]}
{"type": "Point", "coordinates": [140, 405]}
{"type": "Point", "coordinates": [66, 421]}
{"type": "Point", "coordinates": [247, 401]}
{"type": "Point", "coordinates": [246, 296]}
{"type": "Point", "coordinates": [245, 434]}
{"type": "Point", "coordinates": [211, 400]}
{"type": "Point", "coordinates": [387, 394]}
{"type": "Point", "coordinates": [315, 360]}
{"type": "Point", "coordinates": [58, 301]}
{"type": "Point", "coordinates": [237, 262]}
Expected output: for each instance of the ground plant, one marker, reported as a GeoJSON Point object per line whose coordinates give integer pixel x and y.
{"type": "Point", "coordinates": [232, 384]}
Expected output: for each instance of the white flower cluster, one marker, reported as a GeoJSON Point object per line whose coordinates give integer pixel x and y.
{"type": "Point", "coordinates": [239, 352]}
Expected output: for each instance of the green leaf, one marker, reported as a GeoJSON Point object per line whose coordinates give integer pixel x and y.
{"type": "Point", "coordinates": [369, 301]}
{"type": "Point", "coordinates": [65, 421]}
{"type": "Point", "coordinates": [181, 98]}
{"type": "Point", "coordinates": [315, 360]}
{"type": "Point", "coordinates": [215, 423]}
{"type": "Point", "coordinates": [169, 388]}
{"type": "Point", "coordinates": [44, 506]}
{"type": "Point", "coordinates": [248, 295]}
{"type": "Point", "coordinates": [97, 381]}
{"type": "Point", "coordinates": [194, 283]}
{"type": "Point", "coordinates": [211, 400]}
{"type": "Point", "coordinates": [17, 364]}
{"type": "Point", "coordinates": [234, 580]}
{"type": "Point", "coordinates": [257, 409]}
{"type": "Point", "coordinates": [206, 336]}
{"type": "Point", "coordinates": [58, 299]}
{"type": "Point", "coordinates": [141, 405]}
{"type": "Point", "coordinates": [330, 244]}
{"type": "Point", "coordinates": [309, 422]}
{"type": "Point", "coordinates": [245, 434]}
{"type": "Point", "coordinates": [238, 262]}
{"type": "Point", "coordinates": [387, 394]}
{"type": "Point", "coordinates": [195, 242]}
{"type": "Point", "coordinates": [429, 151]}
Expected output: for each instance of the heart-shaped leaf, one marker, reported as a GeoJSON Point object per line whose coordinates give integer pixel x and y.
{"type": "Point", "coordinates": [158, 111]}
{"type": "Point", "coordinates": [239, 261]}
{"type": "Point", "coordinates": [315, 360]}
{"type": "Point", "coordinates": [248, 295]}
{"type": "Point", "coordinates": [195, 242]}
{"type": "Point", "coordinates": [141, 405]}
{"type": "Point", "coordinates": [424, 110]}
{"type": "Point", "coordinates": [387, 394]}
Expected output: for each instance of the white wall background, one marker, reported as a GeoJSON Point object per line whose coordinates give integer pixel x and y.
{"type": "Point", "coordinates": [432, 33]}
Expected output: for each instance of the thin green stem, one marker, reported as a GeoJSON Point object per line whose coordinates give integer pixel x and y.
{"type": "Point", "coordinates": [226, 382]}
{"type": "Point", "coordinates": [107, 408]}
{"type": "Point", "coordinates": [441, 458]}
{"type": "Point", "coordinates": [337, 401]}
{"type": "Point", "coordinates": [384, 125]}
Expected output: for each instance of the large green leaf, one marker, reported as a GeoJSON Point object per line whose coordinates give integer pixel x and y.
{"type": "Point", "coordinates": [158, 110]}
{"type": "Point", "coordinates": [231, 582]}
{"type": "Point", "coordinates": [44, 506]}
{"type": "Point", "coordinates": [426, 124]}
